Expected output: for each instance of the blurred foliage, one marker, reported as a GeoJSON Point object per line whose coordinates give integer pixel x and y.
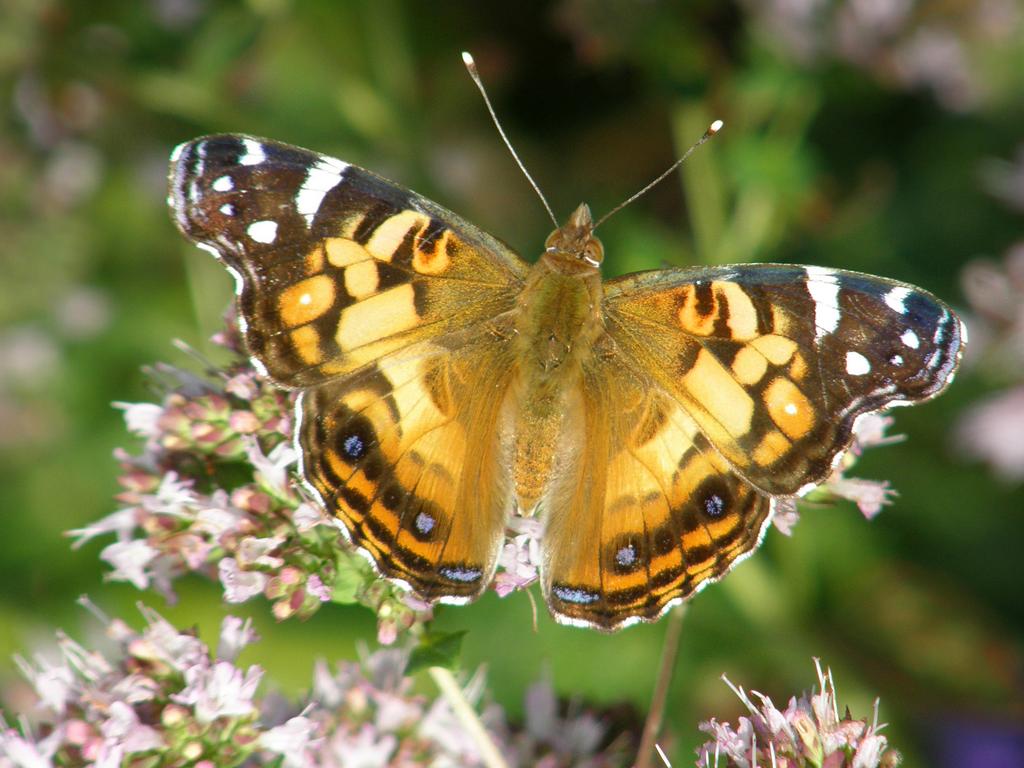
{"type": "Point", "coordinates": [856, 134]}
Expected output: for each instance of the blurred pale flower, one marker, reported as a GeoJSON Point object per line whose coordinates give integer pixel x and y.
{"type": "Point", "coordinates": [295, 741]}
{"type": "Point", "coordinates": [239, 585]}
{"type": "Point", "coordinates": [993, 431]}
{"type": "Point", "coordinates": [902, 43]}
{"type": "Point", "coordinates": [130, 560]}
{"type": "Point", "coordinates": [235, 634]}
{"type": "Point", "coordinates": [83, 312]}
{"type": "Point", "coordinates": [1005, 179]}
{"type": "Point", "coordinates": [990, 429]}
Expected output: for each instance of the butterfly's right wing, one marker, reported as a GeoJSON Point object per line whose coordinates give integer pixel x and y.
{"type": "Point", "coordinates": [336, 267]}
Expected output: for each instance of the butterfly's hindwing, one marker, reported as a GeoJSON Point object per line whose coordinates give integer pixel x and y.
{"type": "Point", "coordinates": [666, 514]}
{"type": "Point", "coordinates": [775, 363]}
{"type": "Point", "coordinates": [412, 464]}
{"type": "Point", "coordinates": [336, 266]}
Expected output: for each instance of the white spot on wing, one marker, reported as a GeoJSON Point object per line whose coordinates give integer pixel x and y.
{"type": "Point", "coordinates": [176, 153]}
{"type": "Point", "coordinates": [263, 231]}
{"type": "Point", "coordinates": [823, 286]}
{"type": "Point", "coordinates": [910, 339]}
{"type": "Point", "coordinates": [857, 364]}
{"type": "Point", "coordinates": [223, 184]}
{"type": "Point", "coordinates": [896, 299]}
{"type": "Point", "coordinates": [227, 209]}
{"type": "Point", "coordinates": [320, 179]}
{"type": "Point", "coordinates": [253, 154]}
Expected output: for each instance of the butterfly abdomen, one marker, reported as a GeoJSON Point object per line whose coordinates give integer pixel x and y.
{"type": "Point", "coordinates": [558, 322]}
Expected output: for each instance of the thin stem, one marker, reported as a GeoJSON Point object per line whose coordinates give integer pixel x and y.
{"type": "Point", "coordinates": [652, 726]}
{"type": "Point", "coordinates": [464, 711]}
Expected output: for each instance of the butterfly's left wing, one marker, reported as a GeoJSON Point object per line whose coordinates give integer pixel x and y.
{"type": "Point", "coordinates": [775, 362]}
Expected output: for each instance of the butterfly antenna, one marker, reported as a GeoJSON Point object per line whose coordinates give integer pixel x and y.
{"type": "Point", "coordinates": [714, 128]}
{"type": "Point", "coordinates": [471, 68]}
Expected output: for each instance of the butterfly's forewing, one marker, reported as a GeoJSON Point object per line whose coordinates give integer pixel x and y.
{"type": "Point", "coordinates": [336, 266]}
{"type": "Point", "coordinates": [385, 309]}
{"type": "Point", "coordinates": [775, 363]}
{"type": "Point", "coordinates": [647, 512]}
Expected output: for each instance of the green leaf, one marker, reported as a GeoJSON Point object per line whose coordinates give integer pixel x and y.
{"type": "Point", "coordinates": [436, 649]}
{"type": "Point", "coordinates": [351, 576]}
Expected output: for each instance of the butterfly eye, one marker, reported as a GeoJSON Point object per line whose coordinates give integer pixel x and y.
{"type": "Point", "coordinates": [593, 253]}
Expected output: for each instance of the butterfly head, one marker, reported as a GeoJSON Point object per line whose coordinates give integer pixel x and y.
{"type": "Point", "coordinates": [575, 241]}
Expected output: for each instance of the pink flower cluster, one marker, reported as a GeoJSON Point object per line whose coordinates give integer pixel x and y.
{"type": "Point", "coordinates": [159, 696]}
{"type": "Point", "coordinates": [808, 732]}
{"type": "Point", "coordinates": [213, 492]}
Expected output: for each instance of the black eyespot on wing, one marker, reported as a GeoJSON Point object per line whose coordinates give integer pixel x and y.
{"type": "Point", "coordinates": [713, 498]}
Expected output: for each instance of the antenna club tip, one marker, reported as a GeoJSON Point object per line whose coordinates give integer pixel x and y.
{"type": "Point", "coordinates": [467, 59]}
{"type": "Point", "coordinates": [715, 127]}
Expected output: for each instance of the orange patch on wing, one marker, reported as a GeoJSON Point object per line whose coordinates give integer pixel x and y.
{"type": "Point", "coordinates": [778, 349]}
{"type": "Point", "coordinates": [773, 445]}
{"type": "Point", "coordinates": [305, 301]}
{"type": "Point", "coordinates": [749, 365]}
{"type": "Point", "coordinates": [377, 317]}
{"type": "Point", "coordinates": [306, 343]}
{"type": "Point", "coordinates": [715, 390]}
{"type": "Point", "coordinates": [341, 252]}
{"type": "Point", "coordinates": [789, 408]}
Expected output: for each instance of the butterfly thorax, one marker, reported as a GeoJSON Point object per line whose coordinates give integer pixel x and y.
{"type": "Point", "coordinates": [558, 322]}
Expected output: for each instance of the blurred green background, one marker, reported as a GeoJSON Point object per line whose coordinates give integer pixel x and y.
{"type": "Point", "coordinates": [871, 136]}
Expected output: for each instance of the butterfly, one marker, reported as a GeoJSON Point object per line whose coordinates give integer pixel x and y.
{"type": "Point", "coordinates": [653, 421]}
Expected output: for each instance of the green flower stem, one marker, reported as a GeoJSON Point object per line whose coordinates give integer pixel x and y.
{"type": "Point", "coordinates": [452, 691]}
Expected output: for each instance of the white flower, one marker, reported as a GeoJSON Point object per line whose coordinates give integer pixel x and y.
{"type": "Point", "coordinates": [53, 683]}
{"type": "Point", "coordinates": [254, 551]}
{"type": "Point", "coordinates": [519, 559]}
{"type": "Point", "coordinates": [869, 495]}
{"type": "Point", "coordinates": [239, 585]}
{"type": "Point", "coordinates": [129, 560]}
{"type": "Point", "coordinates": [142, 418]}
{"type": "Point", "coordinates": [362, 750]}
{"type": "Point", "coordinates": [173, 497]}
{"type": "Point", "coordinates": [18, 752]}
{"type": "Point", "coordinates": [293, 740]}
{"type": "Point", "coordinates": [123, 729]}
{"type": "Point", "coordinates": [273, 467]}
{"type": "Point", "coordinates": [235, 634]}
{"type": "Point", "coordinates": [122, 522]}
{"type": "Point", "coordinates": [307, 516]}
{"type": "Point", "coordinates": [161, 640]}
{"type": "Point", "coordinates": [220, 691]}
